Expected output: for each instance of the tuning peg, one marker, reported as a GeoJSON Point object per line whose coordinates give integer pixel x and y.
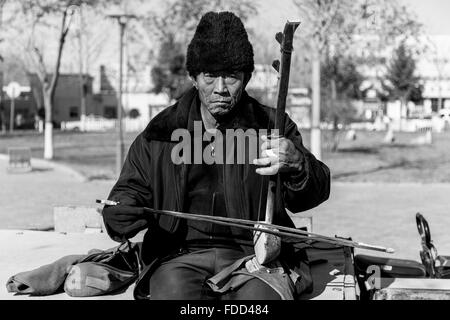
{"type": "Point", "coordinates": [276, 65]}
{"type": "Point", "coordinates": [279, 37]}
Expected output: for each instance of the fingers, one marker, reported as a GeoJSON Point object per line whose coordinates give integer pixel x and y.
{"type": "Point", "coordinates": [271, 166]}
{"type": "Point", "coordinates": [268, 171]}
{"type": "Point", "coordinates": [269, 158]}
{"type": "Point", "coordinates": [262, 161]}
{"type": "Point", "coordinates": [273, 142]}
{"type": "Point", "coordinates": [271, 136]}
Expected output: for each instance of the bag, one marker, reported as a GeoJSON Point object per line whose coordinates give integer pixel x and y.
{"type": "Point", "coordinates": [104, 272]}
{"type": "Point", "coordinates": [387, 267]}
{"type": "Point", "coordinates": [390, 268]}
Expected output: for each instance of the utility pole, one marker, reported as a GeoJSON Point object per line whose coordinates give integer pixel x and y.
{"type": "Point", "coordinates": [2, 113]}
{"type": "Point", "coordinates": [122, 19]}
{"type": "Point", "coordinates": [82, 78]}
{"type": "Point", "coordinates": [316, 137]}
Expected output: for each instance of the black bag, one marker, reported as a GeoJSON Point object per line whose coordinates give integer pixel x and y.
{"type": "Point", "coordinates": [104, 272]}
{"type": "Point", "coordinates": [97, 273]}
{"type": "Point", "coordinates": [387, 267]}
{"type": "Point", "coordinates": [390, 268]}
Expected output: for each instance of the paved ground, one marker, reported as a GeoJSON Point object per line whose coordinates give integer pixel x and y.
{"type": "Point", "coordinates": [380, 214]}
{"type": "Point", "coordinates": [384, 214]}
{"type": "Point", "coordinates": [27, 199]}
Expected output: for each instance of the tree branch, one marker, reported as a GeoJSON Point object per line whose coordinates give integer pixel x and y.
{"type": "Point", "coordinates": [52, 87]}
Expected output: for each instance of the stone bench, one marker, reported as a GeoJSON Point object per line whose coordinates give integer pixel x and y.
{"type": "Point", "coordinates": [19, 159]}
{"type": "Point", "coordinates": [78, 219]}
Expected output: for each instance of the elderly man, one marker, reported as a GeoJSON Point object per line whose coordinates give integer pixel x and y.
{"type": "Point", "coordinates": [200, 260]}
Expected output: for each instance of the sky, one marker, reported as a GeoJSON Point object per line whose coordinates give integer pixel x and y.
{"type": "Point", "coordinates": [434, 14]}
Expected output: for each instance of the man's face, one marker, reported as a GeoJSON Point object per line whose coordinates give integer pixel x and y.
{"type": "Point", "coordinates": [220, 92]}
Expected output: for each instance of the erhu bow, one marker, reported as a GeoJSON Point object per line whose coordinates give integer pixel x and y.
{"type": "Point", "coordinates": [250, 225]}
{"type": "Point", "coordinates": [267, 245]}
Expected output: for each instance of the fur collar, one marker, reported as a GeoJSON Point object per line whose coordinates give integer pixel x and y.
{"type": "Point", "coordinates": [249, 114]}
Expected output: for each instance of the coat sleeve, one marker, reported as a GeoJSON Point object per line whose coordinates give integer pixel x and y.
{"type": "Point", "coordinates": [133, 187]}
{"type": "Point", "coordinates": [133, 191]}
{"type": "Point", "coordinates": [311, 186]}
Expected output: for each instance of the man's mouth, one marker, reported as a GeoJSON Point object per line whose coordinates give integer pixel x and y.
{"type": "Point", "coordinates": [222, 102]}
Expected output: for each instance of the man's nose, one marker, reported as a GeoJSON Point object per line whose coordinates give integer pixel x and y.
{"type": "Point", "coordinates": [220, 86]}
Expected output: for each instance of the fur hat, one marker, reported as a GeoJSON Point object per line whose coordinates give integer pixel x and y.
{"type": "Point", "coordinates": [220, 43]}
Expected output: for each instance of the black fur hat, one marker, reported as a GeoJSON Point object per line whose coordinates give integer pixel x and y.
{"type": "Point", "coordinates": [220, 43]}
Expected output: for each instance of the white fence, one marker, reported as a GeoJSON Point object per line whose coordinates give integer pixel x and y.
{"type": "Point", "coordinates": [435, 124]}
{"type": "Point", "coordinates": [129, 125]}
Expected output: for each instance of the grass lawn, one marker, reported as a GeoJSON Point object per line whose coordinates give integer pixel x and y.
{"type": "Point", "coordinates": [366, 159]}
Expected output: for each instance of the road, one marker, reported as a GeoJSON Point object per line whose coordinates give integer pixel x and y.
{"type": "Point", "coordinates": [27, 199]}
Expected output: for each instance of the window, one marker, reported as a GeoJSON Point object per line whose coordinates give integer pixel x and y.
{"type": "Point", "coordinates": [110, 112]}
{"type": "Point", "coordinates": [73, 112]}
{"type": "Point", "coordinates": [435, 105]}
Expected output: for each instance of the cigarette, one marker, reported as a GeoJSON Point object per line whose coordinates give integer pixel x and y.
{"type": "Point", "coordinates": [107, 202]}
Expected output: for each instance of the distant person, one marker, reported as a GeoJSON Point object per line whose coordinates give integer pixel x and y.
{"type": "Point", "coordinates": [185, 255]}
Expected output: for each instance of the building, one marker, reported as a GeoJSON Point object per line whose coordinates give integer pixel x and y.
{"type": "Point", "coordinates": [138, 106]}
{"type": "Point", "coordinates": [67, 99]}
{"type": "Point", "coordinates": [434, 69]}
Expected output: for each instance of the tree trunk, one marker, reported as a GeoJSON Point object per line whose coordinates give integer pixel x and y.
{"type": "Point", "coordinates": [333, 102]}
{"type": "Point", "coordinates": [83, 103]}
{"type": "Point", "coordinates": [48, 131]}
{"type": "Point", "coordinates": [49, 89]}
{"type": "Point", "coordinates": [402, 107]}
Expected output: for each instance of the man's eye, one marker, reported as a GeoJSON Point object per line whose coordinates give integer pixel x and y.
{"type": "Point", "coordinates": [231, 78]}
{"type": "Point", "coordinates": [209, 77]}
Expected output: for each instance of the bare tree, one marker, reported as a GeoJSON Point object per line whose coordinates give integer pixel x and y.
{"type": "Point", "coordinates": [327, 24]}
{"type": "Point", "coordinates": [179, 18]}
{"type": "Point", "coordinates": [340, 26]}
{"type": "Point", "coordinates": [38, 15]}
{"type": "Point", "coordinates": [32, 37]}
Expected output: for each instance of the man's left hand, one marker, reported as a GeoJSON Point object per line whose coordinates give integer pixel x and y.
{"type": "Point", "coordinates": [279, 154]}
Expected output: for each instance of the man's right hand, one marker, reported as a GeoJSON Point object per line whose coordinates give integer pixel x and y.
{"type": "Point", "coordinates": [123, 221]}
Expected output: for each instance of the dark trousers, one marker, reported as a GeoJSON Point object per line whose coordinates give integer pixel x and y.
{"type": "Point", "coordinates": [184, 278]}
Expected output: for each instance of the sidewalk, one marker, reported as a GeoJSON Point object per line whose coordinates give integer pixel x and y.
{"type": "Point", "coordinates": [385, 215]}
{"type": "Point", "coordinates": [27, 199]}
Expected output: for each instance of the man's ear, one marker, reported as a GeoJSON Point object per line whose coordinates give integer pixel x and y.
{"type": "Point", "coordinates": [194, 82]}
